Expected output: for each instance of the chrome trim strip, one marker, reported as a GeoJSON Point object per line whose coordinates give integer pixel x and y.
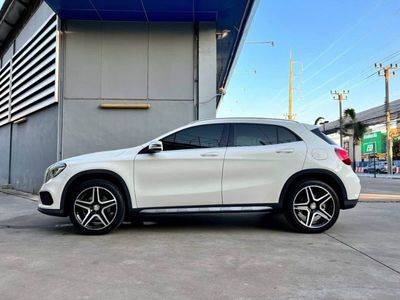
{"type": "Point", "coordinates": [205, 209]}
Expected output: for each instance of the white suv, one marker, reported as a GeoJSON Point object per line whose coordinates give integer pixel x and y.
{"type": "Point", "coordinates": [221, 165]}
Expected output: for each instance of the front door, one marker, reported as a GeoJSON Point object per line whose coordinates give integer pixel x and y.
{"type": "Point", "coordinates": [188, 172]}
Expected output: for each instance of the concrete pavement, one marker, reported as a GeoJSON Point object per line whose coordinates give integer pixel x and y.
{"type": "Point", "coordinates": [200, 257]}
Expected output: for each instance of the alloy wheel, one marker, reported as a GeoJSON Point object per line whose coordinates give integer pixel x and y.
{"type": "Point", "coordinates": [314, 206]}
{"type": "Point", "coordinates": [95, 208]}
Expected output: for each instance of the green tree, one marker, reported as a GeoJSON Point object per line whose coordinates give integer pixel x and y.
{"type": "Point", "coordinates": [396, 148]}
{"type": "Point", "coordinates": [353, 128]}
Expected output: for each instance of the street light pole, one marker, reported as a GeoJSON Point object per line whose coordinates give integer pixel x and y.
{"type": "Point", "coordinates": [272, 43]}
{"type": "Point", "coordinates": [340, 96]}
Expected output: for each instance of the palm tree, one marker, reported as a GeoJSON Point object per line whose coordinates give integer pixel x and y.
{"type": "Point", "coordinates": [354, 128]}
{"type": "Point", "coordinates": [319, 120]}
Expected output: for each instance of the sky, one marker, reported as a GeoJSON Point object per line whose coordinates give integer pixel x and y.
{"type": "Point", "coordinates": [335, 44]}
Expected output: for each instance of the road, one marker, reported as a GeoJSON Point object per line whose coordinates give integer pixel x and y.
{"type": "Point", "coordinates": [202, 256]}
{"type": "Point", "coordinates": [379, 189]}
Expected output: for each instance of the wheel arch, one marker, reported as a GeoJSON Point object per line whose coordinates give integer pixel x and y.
{"type": "Point", "coordinates": [95, 174]}
{"type": "Point", "coordinates": [317, 174]}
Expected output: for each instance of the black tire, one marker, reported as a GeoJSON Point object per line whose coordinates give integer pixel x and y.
{"type": "Point", "coordinates": [97, 206]}
{"type": "Point", "coordinates": [312, 216]}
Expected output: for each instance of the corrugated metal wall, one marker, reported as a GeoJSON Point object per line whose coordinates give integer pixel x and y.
{"type": "Point", "coordinates": [28, 89]}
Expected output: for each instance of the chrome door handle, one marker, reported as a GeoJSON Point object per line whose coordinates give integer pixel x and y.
{"type": "Point", "coordinates": [210, 154]}
{"type": "Point", "coordinates": [285, 151]}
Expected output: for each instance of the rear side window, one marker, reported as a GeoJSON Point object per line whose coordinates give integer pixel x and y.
{"type": "Point", "coordinates": [322, 136]}
{"type": "Point", "coordinates": [253, 135]}
{"type": "Point", "coordinates": [286, 136]}
{"type": "Point", "coordinates": [260, 135]}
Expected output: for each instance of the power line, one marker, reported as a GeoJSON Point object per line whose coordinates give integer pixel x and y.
{"type": "Point", "coordinates": [335, 42]}
{"type": "Point", "coordinates": [354, 45]}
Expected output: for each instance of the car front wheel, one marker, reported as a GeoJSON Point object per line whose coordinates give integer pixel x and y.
{"type": "Point", "coordinates": [312, 207]}
{"type": "Point", "coordinates": [97, 207]}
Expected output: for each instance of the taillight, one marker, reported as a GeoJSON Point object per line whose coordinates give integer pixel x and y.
{"type": "Point", "coordinates": [343, 156]}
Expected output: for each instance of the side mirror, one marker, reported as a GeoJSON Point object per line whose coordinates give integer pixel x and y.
{"type": "Point", "coordinates": [155, 147]}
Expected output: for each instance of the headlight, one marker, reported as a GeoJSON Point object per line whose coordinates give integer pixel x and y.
{"type": "Point", "coordinates": [54, 170]}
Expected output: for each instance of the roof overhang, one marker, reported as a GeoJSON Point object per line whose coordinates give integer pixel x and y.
{"type": "Point", "coordinates": [233, 15]}
{"type": "Point", "coordinates": [10, 14]}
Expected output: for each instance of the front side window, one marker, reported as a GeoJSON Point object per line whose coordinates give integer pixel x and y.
{"type": "Point", "coordinates": [204, 136]}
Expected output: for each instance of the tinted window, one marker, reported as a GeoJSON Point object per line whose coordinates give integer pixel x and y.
{"type": "Point", "coordinates": [321, 135]}
{"type": "Point", "coordinates": [169, 142]}
{"type": "Point", "coordinates": [261, 135]}
{"type": "Point", "coordinates": [254, 135]}
{"type": "Point", "coordinates": [286, 136]}
{"type": "Point", "coordinates": [206, 136]}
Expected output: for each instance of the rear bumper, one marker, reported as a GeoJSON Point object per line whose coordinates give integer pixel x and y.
{"type": "Point", "coordinates": [347, 204]}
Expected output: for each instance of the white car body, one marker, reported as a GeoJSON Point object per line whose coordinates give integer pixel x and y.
{"type": "Point", "coordinates": [225, 176]}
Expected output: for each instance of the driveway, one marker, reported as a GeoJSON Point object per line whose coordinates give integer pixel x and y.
{"type": "Point", "coordinates": [200, 257]}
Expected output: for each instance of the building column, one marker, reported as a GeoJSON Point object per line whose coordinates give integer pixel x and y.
{"type": "Point", "coordinates": [207, 71]}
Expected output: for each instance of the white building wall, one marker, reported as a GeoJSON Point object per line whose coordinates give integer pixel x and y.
{"type": "Point", "coordinates": [110, 62]}
{"type": "Point", "coordinates": [207, 71]}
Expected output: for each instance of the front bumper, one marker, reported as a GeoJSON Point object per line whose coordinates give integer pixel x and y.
{"type": "Point", "coordinates": [51, 194]}
{"type": "Point", "coordinates": [52, 212]}
{"type": "Point", "coordinates": [347, 204]}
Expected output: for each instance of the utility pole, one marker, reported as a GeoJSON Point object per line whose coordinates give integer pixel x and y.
{"type": "Point", "coordinates": [387, 72]}
{"type": "Point", "coordinates": [340, 96]}
{"type": "Point", "coordinates": [290, 115]}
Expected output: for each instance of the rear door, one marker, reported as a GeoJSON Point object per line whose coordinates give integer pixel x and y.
{"type": "Point", "coordinates": [258, 161]}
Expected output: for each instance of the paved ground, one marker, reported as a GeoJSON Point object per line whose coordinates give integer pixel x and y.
{"type": "Point", "coordinates": [200, 257]}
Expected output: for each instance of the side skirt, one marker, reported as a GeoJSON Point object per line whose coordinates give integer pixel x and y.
{"type": "Point", "coordinates": [208, 209]}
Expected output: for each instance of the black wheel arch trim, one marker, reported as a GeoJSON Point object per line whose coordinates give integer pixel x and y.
{"type": "Point", "coordinates": [312, 172]}
{"type": "Point", "coordinates": [125, 191]}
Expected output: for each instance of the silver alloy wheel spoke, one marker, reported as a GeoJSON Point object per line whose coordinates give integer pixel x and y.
{"type": "Point", "coordinates": [95, 208]}
{"type": "Point", "coordinates": [324, 214]}
{"type": "Point", "coordinates": [103, 219]}
{"type": "Point", "coordinates": [88, 218]}
{"type": "Point", "coordinates": [108, 206]}
{"type": "Point", "coordinates": [302, 207]}
{"type": "Point", "coordinates": [83, 202]}
{"type": "Point", "coordinates": [113, 200]}
{"type": "Point", "coordinates": [310, 219]}
{"type": "Point", "coordinates": [83, 206]}
{"type": "Point", "coordinates": [309, 194]}
{"type": "Point", "coordinates": [319, 208]}
{"type": "Point", "coordinates": [324, 198]}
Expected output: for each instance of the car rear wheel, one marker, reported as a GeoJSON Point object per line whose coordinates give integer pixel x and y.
{"type": "Point", "coordinates": [97, 207]}
{"type": "Point", "coordinates": [312, 207]}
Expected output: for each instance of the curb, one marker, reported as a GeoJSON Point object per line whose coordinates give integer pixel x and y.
{"type": "Point", "coordinates": [29, 196]}
{"type": "Point", "coordinates": [378, 176]}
